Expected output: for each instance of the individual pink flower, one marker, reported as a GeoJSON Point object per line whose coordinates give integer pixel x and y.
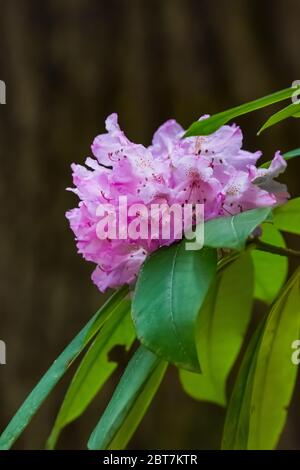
{"type": "Point", "coordinates": [213, 170]}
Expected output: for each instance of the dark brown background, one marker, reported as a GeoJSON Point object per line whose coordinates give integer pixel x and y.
{"type": "Point", "coordinates": [67, 64]}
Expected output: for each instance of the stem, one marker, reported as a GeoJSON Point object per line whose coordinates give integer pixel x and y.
{"type": "Point", "coordinates": [276, 250]}
{"type": "Point", "coordinates": [223, 263]}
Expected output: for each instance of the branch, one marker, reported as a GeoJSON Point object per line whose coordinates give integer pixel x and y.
{"type": "Point", "coordinates": [276, 250]}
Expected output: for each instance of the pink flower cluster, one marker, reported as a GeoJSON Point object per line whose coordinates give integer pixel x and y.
{"type": "Point", "coordinates": [213, 170]}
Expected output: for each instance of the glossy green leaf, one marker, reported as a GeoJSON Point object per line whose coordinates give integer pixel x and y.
{"type": "Point", "coordinates": [58, 369]}
{"type": "Point", "coordinates": [222, 327]}
{"type": "Point", "coordinates": [287, 156]}
{"type": "Point", "coordinates": [275, 374]}
{"type": "Point", "coordinates": [129, 402]}
{"type": "Point", "coordinates": [268, 286]}
{"type": "Point", "coordinates": [236, 428]}
{"type": "Point", "coordinates": [213, 123]}
{"type": "Point", "coordinates": [289, 111]}
{"type": "Point", "coordinates": [94, 370]}
{"type": "Point", "coordinates": [287, 216]}
{"type": "Point", "coordinates": [233, 231]}
{"type": "Point", "coordinates": [170, 290]}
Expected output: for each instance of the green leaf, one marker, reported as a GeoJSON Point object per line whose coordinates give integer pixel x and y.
{"type": "Point", "coordinates": [267, 287]}
{"type": "Point", "coordinates": [233, 231]}
{"type": "Point", "coordinates": [94, 370]}
{"type": "Point", "coordinates": [130, 401]}
{"type": "Point", "coordinates": [275, 373]}
{"type": "Point", "coordinates": [222, 327]}
{"type": "Point", "coordinates": [213, 123]}
{"type": "Point", "coordinates": [287, 216]}
{"type": "Point", "coordinates": [292, 154]}
{"type": "Point", "coordinates": [265, 383]}
{"type": "Point", "coordinates": [236, 428]}
{"type": "Point", "coordinates": [58, 369]}
{"type": "Point", "coordinates": [287, 156]}
{"type": "Point", "coordinates": [170, 290]}
{"type": "Point", "coordinates": [289, 111]}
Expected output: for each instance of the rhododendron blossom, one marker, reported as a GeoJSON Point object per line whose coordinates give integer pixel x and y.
{"type": "Point", "coordinates": [213, 170]}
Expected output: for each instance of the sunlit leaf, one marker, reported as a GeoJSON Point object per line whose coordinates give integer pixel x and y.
{"type": "Point", "coordinates": [94, 370]}
{"type": "Point", "coordinates": [213, 123]}
{"type": "Point", "coordinates": [287, 216]}
{"type": "Point", "coordinates": [236, 428]}
{"type": "Point", "coordinates": [264, 387]}
{"type": "Point", "coordinates": [222, 327]}
{"type": "Point", "coordinates": [289, 111]}
{"type": "Point", "coordinates": [275, 374]}
{"type": "Point", "coordinates": [170, 290]}
{"type": "Point", "coordinates": [129, 402]}
{"type": "Point", "coordinates": [57, 370]}
{"type": "Point", "coordinates": [267, 286]}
